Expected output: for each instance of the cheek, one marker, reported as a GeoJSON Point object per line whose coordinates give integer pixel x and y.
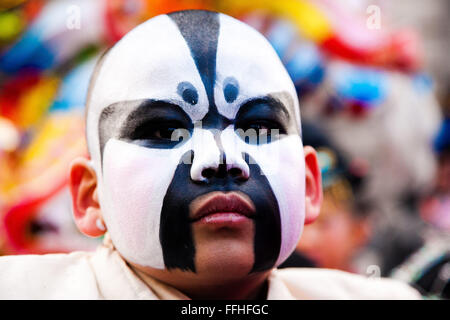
{"type": "Point", "coordinates": [283, 164]}
{"type": "Point", "coordinates": [135, 180]}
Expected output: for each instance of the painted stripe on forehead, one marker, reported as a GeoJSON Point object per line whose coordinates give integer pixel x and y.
{"type": "Point", "coordinates": [200, 29]}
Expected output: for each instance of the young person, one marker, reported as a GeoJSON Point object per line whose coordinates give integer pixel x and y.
{"type": "Point", "coordinates": [197, 174]}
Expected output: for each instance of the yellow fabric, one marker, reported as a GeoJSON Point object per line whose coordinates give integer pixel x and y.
{"type": "Point", "coordinates": [309, 19]}
{"type": "Point", "coordinates": [105, 275]}
{"type": "Point", "coordinates": [8, 4]}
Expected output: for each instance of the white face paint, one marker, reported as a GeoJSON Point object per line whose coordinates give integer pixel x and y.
{"type": "Point", "coordinates": [153, 62]}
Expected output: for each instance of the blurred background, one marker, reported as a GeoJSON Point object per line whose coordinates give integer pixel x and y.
{"type": "Point", "coordinates": [373, 79]}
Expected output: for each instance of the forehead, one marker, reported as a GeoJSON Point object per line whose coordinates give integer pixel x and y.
{"type": "Point", "coordinates": [154, 58]}
{"type": "Point", "coordinates": [163, 54]}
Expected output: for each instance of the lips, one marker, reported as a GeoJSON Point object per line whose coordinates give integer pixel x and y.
{"type": "Point", "coordinates": [232, 204]}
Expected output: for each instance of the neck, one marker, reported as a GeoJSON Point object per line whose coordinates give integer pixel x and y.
{"type": "Point", "coordinates": [196, 287]}
{"type": "Point", "coordinates": [251, 289]}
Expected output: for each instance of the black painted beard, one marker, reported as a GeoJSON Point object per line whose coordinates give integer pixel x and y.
{"type": "Point", "coordinates": [176, 230]}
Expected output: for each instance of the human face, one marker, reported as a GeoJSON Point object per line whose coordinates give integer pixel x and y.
{"type": "Point", "coordinates": [168, 117]}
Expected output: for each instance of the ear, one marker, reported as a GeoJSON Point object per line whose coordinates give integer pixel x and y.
{"type": "Point", "coordinates": [86, 207]}
{"type": "Point", "coordinates": [313, 185]}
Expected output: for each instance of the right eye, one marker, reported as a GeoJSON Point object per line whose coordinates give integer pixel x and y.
{"type": "Point", "coordinates": [159, 132]}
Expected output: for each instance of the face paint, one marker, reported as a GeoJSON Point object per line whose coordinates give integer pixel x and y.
{"type": "Point", "coordinates": [214, 78]}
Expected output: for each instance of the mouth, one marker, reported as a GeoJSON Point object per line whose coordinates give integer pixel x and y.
{"type": "Point", "coordinates": [219, 208]}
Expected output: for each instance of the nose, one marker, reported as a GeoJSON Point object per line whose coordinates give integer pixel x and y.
{"type": "Point", "coordinates": [211, 160]}
{"type": "Point", "coordinates": [223, 170]}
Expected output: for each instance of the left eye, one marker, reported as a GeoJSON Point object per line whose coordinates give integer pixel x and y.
{"type": "Point", "coordinates": [261, 126]}
{"type": "Point", "coordinates": [259, 131]}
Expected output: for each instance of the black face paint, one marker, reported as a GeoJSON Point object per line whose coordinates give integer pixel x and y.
{"type": "Point", "coordinates": [230, 89]}
{"type": "Point", "coordinates": [200, 30]}
{"type": "Point", "coordinates": [191, 47]}
{"type": "Point", "coordinates": [176, 229]}
{"type": "Point", "coordinates": [262, 113]}
{"type": "Point", "coordinates": [285, 100]}
{"type": "Point", "coordinates": [139, 124]}
{"type": "Point", "coordinates": [188, 92]}
{"type": "Point", "coordinates": [137, 121]}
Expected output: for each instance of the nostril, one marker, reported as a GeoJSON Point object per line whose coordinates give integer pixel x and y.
{"type": "Point", "coordinates": [208, 173]}
{"type": "Point", "coordinates": [235, 172]}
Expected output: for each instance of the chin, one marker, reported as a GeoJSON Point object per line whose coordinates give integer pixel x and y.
{"type": "Point", "coordinates": [231, 259]}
